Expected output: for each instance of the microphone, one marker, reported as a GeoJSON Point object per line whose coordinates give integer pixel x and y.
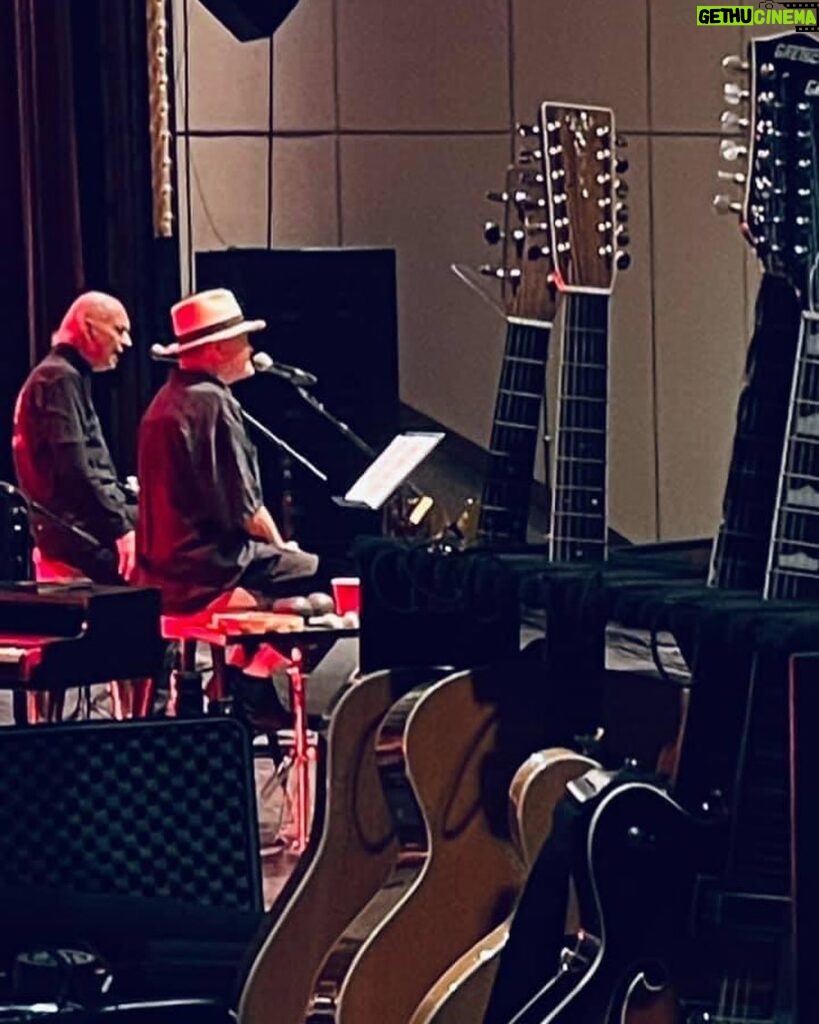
{"type": "Point", "coordinates": [160, 354]}
{"type": "Point", "coordinates": [300, 378]}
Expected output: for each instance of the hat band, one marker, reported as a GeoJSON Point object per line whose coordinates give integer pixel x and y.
{"type": "Point", "coordinates": [203, 332]}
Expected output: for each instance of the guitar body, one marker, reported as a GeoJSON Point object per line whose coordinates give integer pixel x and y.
{"type": "Point", "coordinates": [462, 992]}
{"type": "Point", "coordinates": [634, 884]}
{"type": "Point", "coordinates": [354, 855]}
{"type": "Point", "coordinates": [454, 880]}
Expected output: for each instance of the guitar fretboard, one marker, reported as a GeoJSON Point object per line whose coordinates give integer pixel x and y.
{"type": "Point", "coordinates": [793, 561]}
{"type": "Point", "coordinates": [579, 505]}
{"type": "Point", "coordinates": [741, 546]}
{"type": "Point", "coordinates": [507, 490]}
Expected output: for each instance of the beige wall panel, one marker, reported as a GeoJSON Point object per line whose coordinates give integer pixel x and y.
{"type": "Point", "coordinates": [305, 209]}
{"type": "Point", "coordinates": [178, 20]}
{"type": "Point", "coordinates": [229, 192]}
{"type": "Point", "coordinates": [229, 80]}
{"type": "Point", "coordinates": [632, 480]}
{"type": "Point", "coordinates": [425, 197]}
{"type": "Point", "coordinates": [183, 237]}
{"type": "Point", "coordinates": [303, 63]}
{"type": "Point", "coordinates": [591, 50]}
{"type": "Point", "coordinates": [424, 64]}
{"type": "Point", "coordinates": [700, 331]}
{"type": "Point", "coordinates": [687, 78]}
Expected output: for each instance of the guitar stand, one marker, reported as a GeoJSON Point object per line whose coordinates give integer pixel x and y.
{"type": "Point", "coordinates": [301, 749]}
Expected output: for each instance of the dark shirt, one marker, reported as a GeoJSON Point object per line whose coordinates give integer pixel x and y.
{"type": "Point", "coordinates": [63, 462]}
{"type": "Point", "coordinates": [199, 482]}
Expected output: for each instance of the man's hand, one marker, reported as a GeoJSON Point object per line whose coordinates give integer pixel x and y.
{"type": "Point", "coordinates": [126, 549]}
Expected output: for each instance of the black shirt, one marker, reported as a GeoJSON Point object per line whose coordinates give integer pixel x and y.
{"type": "Point", "coordinates": [63, 462]}
{"type": "Point", "coordinates": [199, 482]}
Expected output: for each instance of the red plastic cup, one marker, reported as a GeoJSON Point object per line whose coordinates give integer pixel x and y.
{"type": "Point", "coordinates": [346, 594]}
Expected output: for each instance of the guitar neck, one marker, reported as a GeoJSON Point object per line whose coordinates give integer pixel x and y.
{"type": "Point", "coordinates": [579, 516]}
{"type": "Point", "coordinates": [793, 558]}
{"type": "Point", "coordinates": [741, 546]}
{"type": "Point", "coordinates": [508, 485]}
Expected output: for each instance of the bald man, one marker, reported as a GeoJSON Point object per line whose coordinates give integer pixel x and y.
{"type": "Point", "coordinates": [60, 454]}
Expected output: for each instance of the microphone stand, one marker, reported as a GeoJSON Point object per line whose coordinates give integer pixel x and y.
{"type": "Point", "coordinates": [340, 425]}
{"type": "Point", "coordinates": [41, 510]}
{"type": "Point", "coordinates": [284, 446]}
{"type": "Point", "coordinates": [346, 431]}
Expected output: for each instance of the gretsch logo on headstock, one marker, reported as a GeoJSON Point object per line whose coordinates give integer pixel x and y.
{"type": "Point", "coordinates": [803, 54]}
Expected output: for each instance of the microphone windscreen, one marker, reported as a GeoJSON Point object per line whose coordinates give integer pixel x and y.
{"type": "Point", "coordinates": [159, 351]}
{"type": "Point", "coordinates": [262, 361]}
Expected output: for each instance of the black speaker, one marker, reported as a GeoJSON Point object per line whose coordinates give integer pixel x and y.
{"type": "Point", "coordinates": [250, 19]}
{"type": "Point", "coordinates": [331, 312]}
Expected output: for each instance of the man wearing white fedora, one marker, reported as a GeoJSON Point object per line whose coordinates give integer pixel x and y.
{"type": "Point", "coordinates": [204, 534]}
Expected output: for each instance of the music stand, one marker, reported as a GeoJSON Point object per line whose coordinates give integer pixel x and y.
{"type": "Point", "coordinates": [390, 469]}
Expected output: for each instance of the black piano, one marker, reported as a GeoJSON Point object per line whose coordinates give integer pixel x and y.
{"type": "Point", "coordinates": [57, 635]}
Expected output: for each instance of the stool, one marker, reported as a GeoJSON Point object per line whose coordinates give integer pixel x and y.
{"type": "Point", "coordinates": [188, 631]}
{"type": "Point", "coordinates": [294, 646]}
{"type": "Point", "coordinates": [130, 698]}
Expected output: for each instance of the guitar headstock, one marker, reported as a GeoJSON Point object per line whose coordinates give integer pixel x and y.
{"type": "Point", "coordinates": [768, 141]}
{"type": "Point", "coordinates": [586, 194]}
{"type": "Point", "coordinates": [525, 269]}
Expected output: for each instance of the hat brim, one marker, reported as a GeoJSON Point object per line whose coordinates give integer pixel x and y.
{"type": "Point", "coordinates": [245, 327]}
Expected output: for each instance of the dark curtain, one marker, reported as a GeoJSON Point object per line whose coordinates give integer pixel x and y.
{"type": "Point", "coordinates": [75, 195]}
{"type": "Point", "coordinates": [39, 213]}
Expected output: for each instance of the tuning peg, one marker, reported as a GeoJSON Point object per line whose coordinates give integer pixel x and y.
{"type": "Point", "coordinates": [527, 130]}
{"type": "Point", "coordinates": [528, 156]}
{"type": "Point", "coordinates": [500, 272]}
{"type": "Point", "coordinates": [734, 94]}
{"type": "Point", "coordinates": [738, 178]}
{"type": "Point", "coordinates": [767, 70]}
{"type": "Point", "coordinates": [621, 213]}
{"type": "Point", "coordinates": [731, 121]}
{"type": "Point", "coordinates": [621, 189]}
{"type": "Point", "coordinates": [724, 204]}
{"type": "Point", "coordinates": [536, 252]}
{"type": "Point", "coordinates": [730, 150]}
{"type": "Point", "coordinates": [622, 260]}
{"type": "Point", "coordinates": [623, 237]}
{"type": "Point", "coordinates": [492, 232]}
{"type": "Point", "coordinates": [497, 197]}
{"type": "Point", "coordinates": [621, 166]}
{"type": "Point", "coordinates": [734, 63]}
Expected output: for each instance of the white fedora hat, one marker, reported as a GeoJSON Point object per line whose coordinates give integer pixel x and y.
{"type": "Point", "coordinates": [207, 317]}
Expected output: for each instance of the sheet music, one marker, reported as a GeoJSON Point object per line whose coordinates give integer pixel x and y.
{"type": "Point", "coordinates": [392, 466]}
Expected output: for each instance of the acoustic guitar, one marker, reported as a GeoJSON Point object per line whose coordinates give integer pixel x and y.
{"type": "Point", "coordinates": [350, 860]}
{"type": "Point", "coordinates": [462, 992]}
{"type": "Point", "coordinates": [585, 216]}
{"type": "Point", "coordinates": [530, 301]}
{"type": "Point", "coordinates": [446, 754]}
